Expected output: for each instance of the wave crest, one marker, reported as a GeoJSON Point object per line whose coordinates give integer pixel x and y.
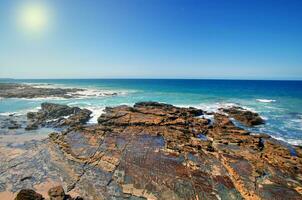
{"type": "Point", "coordinates": [266, 100]}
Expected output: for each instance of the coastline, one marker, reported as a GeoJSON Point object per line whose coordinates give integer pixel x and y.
{"type": "Point", "coordinates": [279, 106]}
{"type": "Point", "coordinates": [210, 158]}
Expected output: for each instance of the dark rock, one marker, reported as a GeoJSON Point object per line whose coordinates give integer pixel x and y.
{"type": "Point", "coordinates": [55, 193]}
{"type": "Point", "coordinates": [57, 115]}
{"type": "Point", "coordinates": [12, 122]}
{"type": "Point", "coordinates": [244, 116]}
{"type": "Point", "coordinates": [32, 126]}
{"type": "Point", "coordinates": [13, 125]}
{"type": "Point", "coordinates": [27, 194]}
{"type": "Point", "coordinates": [81, 117]}
{"type": "Point", "coordinates": [15, 90]}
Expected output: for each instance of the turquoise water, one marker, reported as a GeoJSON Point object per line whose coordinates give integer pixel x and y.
{"type": "Point", "coordinates": [279, 102]}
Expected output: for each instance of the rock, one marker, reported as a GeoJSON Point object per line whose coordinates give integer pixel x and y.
{"type": "Point", "coordinates": [32, 126]}
{"type": "Point", "coordinates": [9, 123]}
{"type": "Point", "coordinates": [244, 116]}
{"type": "Point", "coordinates": [53, 111]}
{"type": "Point", "coordinates": [13, 124]}
{"type": "Point", "coordinates": [57, 115]}
{"type": "Point", "coordinates": [28, 194]}
{"type": "Point", "coordinates": [81, 117]}
{"type": "Point", "coordinates": [159, 151]}
{"type": "Point", "coordinates": [56, 193]}
{"type": "Point", "coordinates": [15, 90]}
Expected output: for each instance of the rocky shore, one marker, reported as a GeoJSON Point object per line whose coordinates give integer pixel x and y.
{"type": "Point", "coordinates": [149, 151]}
{"type": "Point", "coordinates": [17, 90]}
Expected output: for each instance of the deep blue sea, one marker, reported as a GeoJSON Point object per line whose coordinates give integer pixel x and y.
{"type": "Point", "coordinates": [279, 102]}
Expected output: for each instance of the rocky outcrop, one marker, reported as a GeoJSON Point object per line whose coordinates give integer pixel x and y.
{"type": "Point", "coordinates": [244, 116]}
{"type": "Point", "coordinates": [159, 151]}
{"type": "Point", "coordinates": [55, 193]}
{"type": "Point", "coordinates": [57, 115]}
{"type": "Point", "coordinates": [15, 90]}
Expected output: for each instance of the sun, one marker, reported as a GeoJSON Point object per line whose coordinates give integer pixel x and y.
{"type": "Point", "coordinates": [33, 18]}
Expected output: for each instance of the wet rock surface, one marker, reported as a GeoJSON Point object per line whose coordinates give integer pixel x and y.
{"type": "Point", "coordinates": [12, 122]}
{"type": "Point", "coordinates": [56, 115]}
{"type": "Point", "coordinates": [155, 151]}
{"type": "Point", "coordinates": [244, 116]}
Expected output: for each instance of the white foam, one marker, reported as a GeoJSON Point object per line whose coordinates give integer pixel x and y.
{"type": "Point", "coordinates": [96, 112]}
{"type": "Point", "coordinates": [45, 85]}
{"type": "Point", "coordinates": [290, 141]}
{"type": "Point", "coordinates": [214, 107]}
{"type": "Point", "coordinates": [88, 93]}
{"type": "Point", "coordinates": [41, 98]}
{"type": "Point", "coordinates": [78, 103]}
{"type": "Point", "coordinates": [21, 112]}
{"type": "Point", "coordinates": [84, 93]}
{"type": "Point", "coordinates": [266, 100]}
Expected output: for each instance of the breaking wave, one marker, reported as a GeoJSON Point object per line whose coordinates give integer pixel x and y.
{"type": "Point", "coordinates": [266, 100]}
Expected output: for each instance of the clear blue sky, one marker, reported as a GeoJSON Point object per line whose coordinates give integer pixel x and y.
{"type": "Point", "coordinates": [257, 39]}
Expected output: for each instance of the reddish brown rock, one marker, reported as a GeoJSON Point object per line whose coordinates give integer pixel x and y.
{"type": "Point", "coordinates": [159, 151]}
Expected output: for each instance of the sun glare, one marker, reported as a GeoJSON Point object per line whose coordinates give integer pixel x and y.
{"type": "Point", "coordinates": [33, 18]}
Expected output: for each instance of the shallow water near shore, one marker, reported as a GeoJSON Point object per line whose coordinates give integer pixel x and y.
{"type": "Point", "coordinates": [279, 102]}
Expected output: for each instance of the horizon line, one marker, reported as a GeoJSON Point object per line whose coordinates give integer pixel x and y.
{"type": "Point", "coordinates": [154, 78]}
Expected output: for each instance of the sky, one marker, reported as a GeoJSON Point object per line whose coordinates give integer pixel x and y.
{"type": "Point", "coordinates": [231, 39]}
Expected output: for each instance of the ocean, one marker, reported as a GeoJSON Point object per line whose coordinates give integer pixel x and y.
{"type": "Point", "coordinates": [278, 102]}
